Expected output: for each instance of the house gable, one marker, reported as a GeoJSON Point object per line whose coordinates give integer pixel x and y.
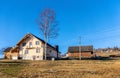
{"type": "Point", "coordinates": [29, 35]}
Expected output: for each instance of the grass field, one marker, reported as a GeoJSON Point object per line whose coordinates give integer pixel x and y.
{"type": "Point", "coordinates": [60, 69]}
{"type": "Point", "coordinates": [107, 54]}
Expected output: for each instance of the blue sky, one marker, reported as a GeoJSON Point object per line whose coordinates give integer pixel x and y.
{"type": "Point", "coordinates": [96, 21]}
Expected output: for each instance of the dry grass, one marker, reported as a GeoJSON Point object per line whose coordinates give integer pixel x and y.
{"type": "Point", "coordinates": [107, 54]}
{"type": "Point", "coordinates": [65, 69]}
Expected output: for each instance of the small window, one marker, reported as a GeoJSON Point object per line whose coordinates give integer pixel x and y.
{"type": "Point", "coordinates": [37, 56]}
{"type": "Point", "coordinates": [91, 52]}
{"type": "Point", "coordinates": [26, 51]}
{"type": "Point", "coordinates": [23, 44]}
{"type": "Point", "coordinates": [37, 43]}
{"type": "Point", "coordinates": [37, 50]}
{"type": "Point", "coordinates": [30, 44]}
{"type": "Point", "coordinates": [21, 48]}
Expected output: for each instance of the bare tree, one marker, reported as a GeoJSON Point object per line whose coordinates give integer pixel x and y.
{"type": "Point", "coordinates": [48, 26]}
{"type": "Point", "coordinates": [1, 50]}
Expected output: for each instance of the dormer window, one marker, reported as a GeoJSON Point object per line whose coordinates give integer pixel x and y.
{"type": "Point", "coordinates": [37, 43]}
{"type": "Point", "coordinates": [30, 44]}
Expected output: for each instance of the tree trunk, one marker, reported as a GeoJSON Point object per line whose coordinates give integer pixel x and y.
{"type": "Point", "coordinates": [45, 49]}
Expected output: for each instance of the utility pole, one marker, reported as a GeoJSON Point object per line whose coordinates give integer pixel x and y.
{"type": "Point", "coordinates": [80, 53]}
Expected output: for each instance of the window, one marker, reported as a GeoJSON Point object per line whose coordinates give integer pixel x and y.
{"type": "Point", "coordinates": [23, 44]}
{"type": "Point", "coordinates": [50, 51]}
{"type": "Point", "coordinates": [21, 48]}
{"type": "Point", "coordinates": [26, 51]}
{"type": "Point", "coordinates": [37, 50]}
{"type": "Point", "coordinates": [37, 43]}
{"type": "Point", "coordinates": [30, 44]}
{"type": "Point", "coordinates": [37, 56]}
{"type": "Point", "coordinates": [91, 52]}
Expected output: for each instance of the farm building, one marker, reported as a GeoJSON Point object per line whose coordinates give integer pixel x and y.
{"type": "Point", "coordinates": [80, 51]}
{"type": "Point", "coordinates": [30, 47]}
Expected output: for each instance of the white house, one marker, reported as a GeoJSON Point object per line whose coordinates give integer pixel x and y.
{"type": "Point", "coordinates": [30, 47]}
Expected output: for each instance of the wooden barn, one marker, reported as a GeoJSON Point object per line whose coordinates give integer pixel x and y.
{"type": "Point", "coordinates": [80, 51]}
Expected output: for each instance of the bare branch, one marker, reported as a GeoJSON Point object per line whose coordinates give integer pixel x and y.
{"type": "Point", "coordinates": [47, 25]}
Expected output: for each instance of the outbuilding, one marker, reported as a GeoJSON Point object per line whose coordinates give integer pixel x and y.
{"type": "Point", "coordinates": [80, 51]}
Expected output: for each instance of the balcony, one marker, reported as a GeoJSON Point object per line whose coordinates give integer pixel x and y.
{"type": "Point", "coordinates": [30, 47]}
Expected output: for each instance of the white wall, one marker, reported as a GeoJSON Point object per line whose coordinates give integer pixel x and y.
{"type": "Point", "coordinates": [32, 52]}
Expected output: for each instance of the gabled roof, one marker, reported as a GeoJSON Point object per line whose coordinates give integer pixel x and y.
{"type": "Point", "coordinates": [81, 48]}
{"type": "Point", "coordinates": [29, 34]}
{"type": "Point", "coordinates": [43, 41]}
{"type": "Point", "coordinates": [8, 49]}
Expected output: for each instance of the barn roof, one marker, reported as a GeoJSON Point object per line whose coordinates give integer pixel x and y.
{"type": "Point", "coordinates": [80, 48]}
